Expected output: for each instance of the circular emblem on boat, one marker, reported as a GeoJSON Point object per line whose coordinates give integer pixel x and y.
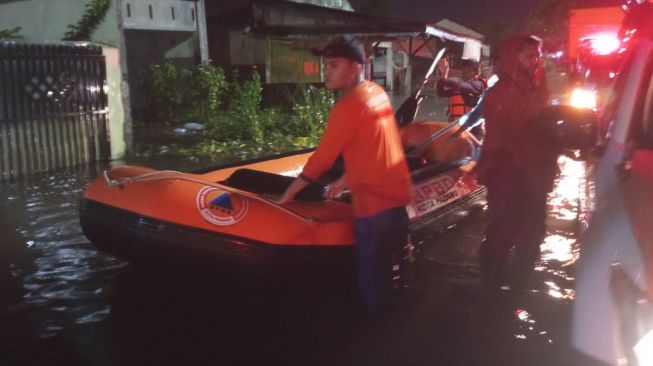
{"type": "Point", "coordinates": [221, 208]}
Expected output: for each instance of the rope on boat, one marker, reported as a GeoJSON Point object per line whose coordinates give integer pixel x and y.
{"type": "Point", "coordinates": [175, 175]}
{"type": "Point", "coordinates": [413, 150]}
{"type": "Point", "coordinates": [422, 144]}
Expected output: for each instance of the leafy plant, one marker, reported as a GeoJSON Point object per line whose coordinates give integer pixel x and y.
{"type": "Point", "coordinates": [163, 95]}
{"type": "Point", "coordinates": [173, 94]}
{"type": "Point", "coordinates": [10, 33]}
{"type": "Point", "coordinates": [204, 87]}
{"type": "Point", "coordinates": [310, 111]}
{"type": "Point", "coordinates": [244, 109]}
{"type": "Point", "coordinates": [247, 130]}
{"type": "Point", "coordinates": [95, 12]}
{"type": "Point", "coordinates": [237, 124]}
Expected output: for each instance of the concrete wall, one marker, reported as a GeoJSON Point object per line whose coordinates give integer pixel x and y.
{"type": "Point", "coordinates": [144, 47]}
{"type": "Point", "coordinates": [48, 20]}
{"type": "Point", "coordinates": [173, 15]}
{"type": "Point", "coordinates": [187, 49]}
{"type": "Point", "coordinates": [247, 50]}
{"type": "Point", "coordinates": [115, 98]}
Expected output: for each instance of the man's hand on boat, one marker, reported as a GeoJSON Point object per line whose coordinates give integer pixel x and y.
{"type": "Point", "coordinates": [332, 191]}
{"type": "Point", "coordinates": [297, 185]}
{"type": "Point", "coordinates": [336, 188]}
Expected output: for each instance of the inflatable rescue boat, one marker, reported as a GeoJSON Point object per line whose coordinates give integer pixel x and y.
{"type": "Point", "coordinates": [227, 218]}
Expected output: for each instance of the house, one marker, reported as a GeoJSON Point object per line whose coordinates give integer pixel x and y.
{"type": "Point", "coordinates": [275, 38]}
{"type": "Point", "coordinates": [471, 51]}
{"type": "Point", "coordinates": [133, 34]}
{"type": "Point", "coordinates": [479, 52]}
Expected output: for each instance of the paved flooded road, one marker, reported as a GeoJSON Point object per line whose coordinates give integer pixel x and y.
{"type": "Point", "coordinates": [64, 302]}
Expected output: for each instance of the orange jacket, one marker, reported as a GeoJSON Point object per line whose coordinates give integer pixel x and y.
{"type": "Point", "coordinates": [362, 128]}
{"type": "Point", "coordinates": [463, 95]}
{"type": "Point", "coordinates": [457, 106]}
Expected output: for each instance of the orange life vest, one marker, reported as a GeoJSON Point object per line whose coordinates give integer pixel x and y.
{"type": "Point", "coordinates": [457, 106]}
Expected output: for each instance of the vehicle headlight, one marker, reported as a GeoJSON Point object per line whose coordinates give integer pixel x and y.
{"type": "Point", "coordinates": [583, 98]}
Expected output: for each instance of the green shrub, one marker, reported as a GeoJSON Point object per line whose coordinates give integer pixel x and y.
{"type": "Point", "coordinates": [175, 95]}
{"type": "Point", "coordinates": [94, 13]}
{"type": "Point", "coordinates": [238, 126]}
{"type": "Point", "coordinates": [160, 84]}
{"type": "Point", "coordinates": [310, 111]}
{"type": "Point", "coordinates": [204, 87]}
{"type": "Point", "coordinates": [244, 111]}
{"type": "Point", "coordinates": [10, 33]}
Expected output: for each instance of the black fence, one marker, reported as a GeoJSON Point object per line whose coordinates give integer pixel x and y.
{"type": "Point", "coordinates": [53, 107]}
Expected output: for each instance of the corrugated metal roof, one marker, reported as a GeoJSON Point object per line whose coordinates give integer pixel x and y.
{"type": "Point", "coordinates": [291, 19]}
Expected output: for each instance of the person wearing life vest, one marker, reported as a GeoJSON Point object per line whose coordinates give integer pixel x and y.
{"type": "Point", "coordinates": [463, 94]}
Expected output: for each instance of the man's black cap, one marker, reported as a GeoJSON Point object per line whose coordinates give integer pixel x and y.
{"type": "Point", "coordinates": [344, 46]}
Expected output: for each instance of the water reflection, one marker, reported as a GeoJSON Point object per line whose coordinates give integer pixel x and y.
{"type": "Point", "coordinates": [559, 248]}
{"type": "Point", "coordinates": [553, 281]}
{"type": "Point", "coordinates": [64, 278]}
{"type": "Point", "coordinates": [67, 287]}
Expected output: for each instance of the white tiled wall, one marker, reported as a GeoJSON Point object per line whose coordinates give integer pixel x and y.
{"type": "Point", "coordinates": [158, 15]}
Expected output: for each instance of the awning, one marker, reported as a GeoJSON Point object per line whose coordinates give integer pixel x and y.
{"type": "Point", "coordinates": [289, 19]}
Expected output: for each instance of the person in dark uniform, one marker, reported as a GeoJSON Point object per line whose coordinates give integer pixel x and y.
{"type": "Point", "coordinates": [516, 165]}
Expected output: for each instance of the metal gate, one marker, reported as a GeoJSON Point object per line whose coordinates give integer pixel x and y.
{"type": "Point", "coordinates": [53, 107]}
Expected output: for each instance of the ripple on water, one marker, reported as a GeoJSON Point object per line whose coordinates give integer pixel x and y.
{"type": "Point", "coordinates": [560, 249]}
{"type": "Point", "coordinates": [95, 316]}
{"type": "Point", "coordinates": [67, 281]}
{"type": "Point", "coordinates": [64, 278]}
{"type": "Point", "coordinates": [553, 280]}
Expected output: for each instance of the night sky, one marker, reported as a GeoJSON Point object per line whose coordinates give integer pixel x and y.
{"type": "Point", "coordinates": [475, 14]}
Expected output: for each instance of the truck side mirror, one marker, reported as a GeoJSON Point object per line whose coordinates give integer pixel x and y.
{"type": "Point", "coordinates": [568, 127]}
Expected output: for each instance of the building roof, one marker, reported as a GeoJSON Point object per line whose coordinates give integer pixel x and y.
{"type": "Point", "coordinates": [449, 24]}
{"type": "Point", "coordinates": [291, 19]}
{"type": "Point", "coordinates": [333, 4]}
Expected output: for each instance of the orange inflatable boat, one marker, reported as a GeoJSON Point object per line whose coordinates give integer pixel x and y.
{"type": "Point", "coordinates": [226, 217]}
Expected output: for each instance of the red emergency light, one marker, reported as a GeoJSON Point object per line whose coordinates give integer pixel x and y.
{"type": "Point", "coordinates": [603, 44]}
{"type": "Point", "coordinates": [599, 26]}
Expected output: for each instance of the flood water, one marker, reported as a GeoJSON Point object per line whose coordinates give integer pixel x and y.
{"type": "Point", "coordinates": [62, 302]}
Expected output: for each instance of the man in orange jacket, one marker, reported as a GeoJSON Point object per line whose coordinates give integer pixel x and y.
{"type": "Point", "coordinates": [362, 128]}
